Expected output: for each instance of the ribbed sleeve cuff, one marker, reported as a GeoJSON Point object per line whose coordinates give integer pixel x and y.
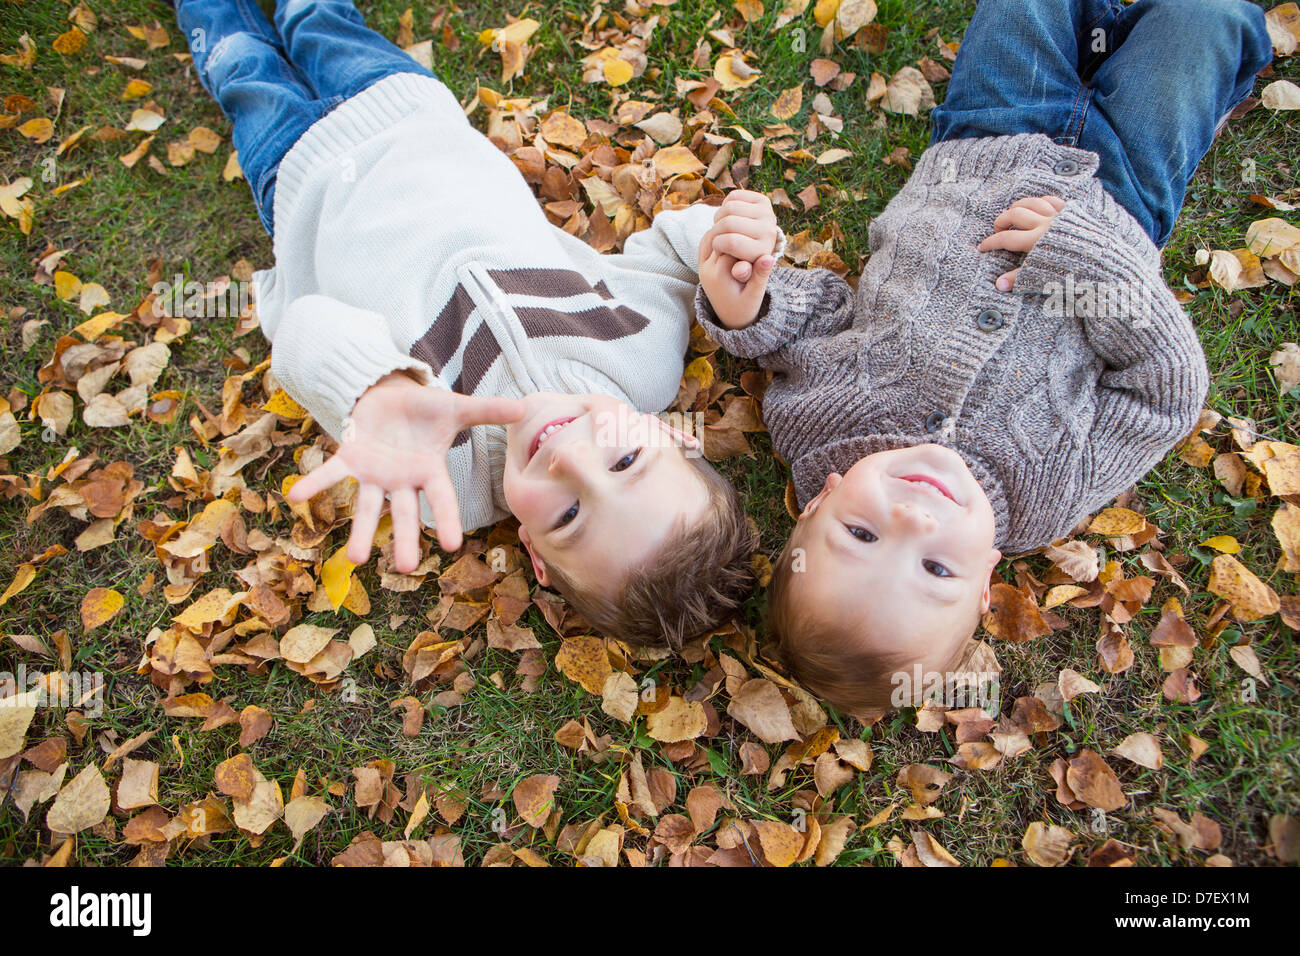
{"type": "Point", "coordinates": [794, 296]}
{"type": "Point", "coordinates": [326, 354]}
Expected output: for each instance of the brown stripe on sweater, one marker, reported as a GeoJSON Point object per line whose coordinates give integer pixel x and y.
{"type": "Point", "coordinates": [546, 283]}
{"type": "Point", "coordinates": [482, 350]}
{"type": "Point", "coordinates": [602, 324]}
{"type": "Point", "coordinates": [439, 343]}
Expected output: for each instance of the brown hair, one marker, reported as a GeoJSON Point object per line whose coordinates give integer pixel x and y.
{"type": "Point", "coordinates": [690, 586]}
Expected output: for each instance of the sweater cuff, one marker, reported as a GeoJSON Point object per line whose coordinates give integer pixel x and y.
{"type": "Point", "coordinates": [793, 297]}
{"type": "Point", "coordinates": [327, 354]}
{"type": "Point", "coordinates": [1080, 246]}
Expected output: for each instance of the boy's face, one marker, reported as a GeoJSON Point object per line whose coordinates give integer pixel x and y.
{"type": "Point", "coordinates": [596, 485]}
{"type": "Point", "coordinates": [903, 545]}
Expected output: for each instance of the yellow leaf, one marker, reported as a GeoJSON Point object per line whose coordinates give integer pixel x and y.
{"type": "Point", "coordinates": [1249, 597]}
{"type": "Point", "coordinates": [681, 720]}
{"type": "Point", "coordinates": [232, 170]}
{"type": "Point", "coordinates": [701, 370]}
{"type": "Point", "coordinates": [336, 576]}
{"type": "Point", "coordinates": [70, 42]}
{"type": "Point", "coordinates": [66, 285]}
{"type": "Point", "coordinates": [1113, 522]}
{"type": "Point", "coordinates": [26, 574]}
{"type": "Point", "coordinates": [825, 11]}
{"type": "Point", "coordinates": [677, 160]}
{"type": "Point", "coordinates": [97, 325]}
{"type": "Point", "coordinates": [1222, 542]}
{"type": "Point", "coordinates": [136, 88]}
{"type": "Point", "coordinates": [283, 405]}
{"type": "Point", "coordinates": [99, 606]}
{"type": "Point", "coordinates": [37, 130]}
{"type": "Point", "coordinates": [617, 71]}
{"type": "Point", "coordinates": [788, 103]}
{"type": "Point", "coordinates": [534, 798]}
{"type": "Point", "coordinates": [585, 661]}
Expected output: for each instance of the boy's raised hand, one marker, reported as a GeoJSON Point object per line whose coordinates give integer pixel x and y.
{"type": "Point", "coordinates": [396, 441]}
{"type": "Point", "coordinates": [736, 256]}
{"type": "Point", "coordinates": [1020, 228]}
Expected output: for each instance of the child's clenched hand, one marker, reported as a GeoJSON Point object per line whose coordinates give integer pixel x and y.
{"type": "Point", "coordinates": [736, 257]}
{"type": "Point", "coordinates": [396, 441]}
{"type": "Point", "coordinates": [1020, 228]}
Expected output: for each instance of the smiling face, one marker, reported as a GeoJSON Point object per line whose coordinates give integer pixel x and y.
{"type": "Point", "coordinates": [900, 548]}
{"type": "Point", "coordinates": [597, 487]}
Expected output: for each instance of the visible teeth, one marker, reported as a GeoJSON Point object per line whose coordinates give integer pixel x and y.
{"type": "Point", "coordinates": [548, 432]}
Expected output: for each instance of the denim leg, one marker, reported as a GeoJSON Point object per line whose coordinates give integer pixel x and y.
{"type": "Point", "coordinates": [240, 62]}
{"type": "Point", "coordinates": [1017, 70]}
{"type": "Point", "coordinates": [1176, 68]}
{"type": "Point", "coordinates": [330, 44]}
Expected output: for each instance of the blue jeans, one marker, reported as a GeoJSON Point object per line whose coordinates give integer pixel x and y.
{"type": "Point", "coordinates": [273, 82]}
{"type": "Point", "coordinates": [1143, 86]}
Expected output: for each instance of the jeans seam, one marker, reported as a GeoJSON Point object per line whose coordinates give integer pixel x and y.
{"type": "Point", "coordinates": [1074, 127]}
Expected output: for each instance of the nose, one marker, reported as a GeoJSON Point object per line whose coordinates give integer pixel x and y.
{"type": "Point", "coordinates": [568, 459]}
{"type": "Point", "coordinates": [912, 518]}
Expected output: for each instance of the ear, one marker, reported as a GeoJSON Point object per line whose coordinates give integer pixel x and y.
{"type": "Point", "coordinates": [832, 480]}
{"type": "Point", "coordinates": [994, 557]}
{"type": "Point", "coordinates": [539, 566]}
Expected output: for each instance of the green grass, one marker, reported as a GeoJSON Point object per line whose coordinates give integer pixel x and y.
{"type": "Point", "coordinates": [122, 220]}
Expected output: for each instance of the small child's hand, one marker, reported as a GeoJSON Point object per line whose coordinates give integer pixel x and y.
{"type": "Point", "coordinates": [396, 441]}
{"type": "Point", "coordinates": [1020, 228]}
{"type": "Point", "coordinates": [736, 256]}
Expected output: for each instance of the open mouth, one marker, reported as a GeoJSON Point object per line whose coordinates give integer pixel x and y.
{"type": "Point", "coordinates": [934, 483]}
{"type": "Point", "coordinates": [545, 432]}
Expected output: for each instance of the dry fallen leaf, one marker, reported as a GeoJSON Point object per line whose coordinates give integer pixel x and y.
{"type": "Point", "coordinates": [534, 798]}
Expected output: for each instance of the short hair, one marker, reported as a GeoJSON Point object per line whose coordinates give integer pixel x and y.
{"type": "Point", "coordinates": [693, 583]}
{"type": "Point", "coordinates": [822, 652]}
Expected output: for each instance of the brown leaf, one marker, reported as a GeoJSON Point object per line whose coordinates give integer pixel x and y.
{"type": "Point", "coordinates": [534, 798]}
{"type": "Point", "coordinates": [1093, 781]}
{"type": "Point", "coordinates": [760, 707]}
{"type": "Point", "coordinates": [585, 661]}
{"type": "Point", "coordinates": [1012, 616]}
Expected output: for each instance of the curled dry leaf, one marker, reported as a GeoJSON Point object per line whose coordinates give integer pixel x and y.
{"type": "Point", "coordinates": [1093, 782]}
{"type": "Point", "coordinates": [1047, 844]}
{"type": "Point", "coordinates": [1142, 749]}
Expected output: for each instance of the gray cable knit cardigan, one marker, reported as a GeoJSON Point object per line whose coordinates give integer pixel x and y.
{"type": "Point", "coordinates": [1058, 394]}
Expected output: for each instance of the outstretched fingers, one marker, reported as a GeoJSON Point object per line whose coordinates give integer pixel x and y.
{"type": "Point", "coordinates": [327, 475]}
{"type": "Point", "coordinates": [441, 496]}
{"type": "Point", "coordinates": [406, 529]}
{"type": "Point", "coordinates": [365, 519]}
{"type": "Point", "coordinates": [490, 410]}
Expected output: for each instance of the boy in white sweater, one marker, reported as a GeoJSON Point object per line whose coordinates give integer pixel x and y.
{"type": "Point", "coordinates": [471, 358]}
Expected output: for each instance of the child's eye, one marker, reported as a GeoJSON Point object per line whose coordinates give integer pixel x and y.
{"type": "Point", "coordinates": [862, 534]}
{"type": "Point", "coordinates": [568, 516]}
{"type": "Point", "coordinates": [626, 461]}
{"type": "Point", "coordinates": [935, 568]}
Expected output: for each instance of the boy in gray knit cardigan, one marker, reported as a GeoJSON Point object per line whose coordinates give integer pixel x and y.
{"type": "Point", "coordinates": [1013, 359]}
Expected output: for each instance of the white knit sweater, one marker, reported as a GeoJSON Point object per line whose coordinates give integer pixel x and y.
{"type": "Point", "coordinates": [405, 240]}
